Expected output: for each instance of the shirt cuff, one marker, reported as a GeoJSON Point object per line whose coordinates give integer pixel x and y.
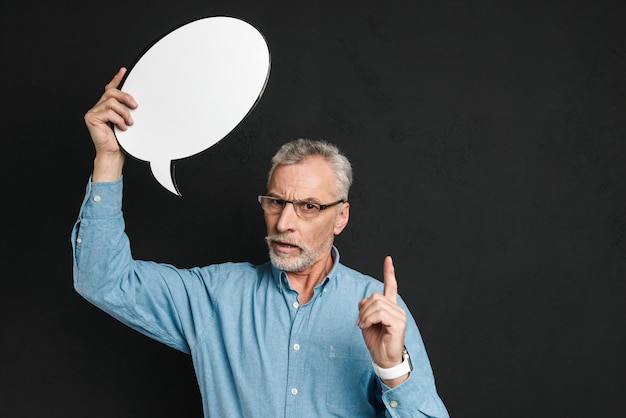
{"type": "Point", "coordinates": [400, 401]}
{"type": "Point", "coordinates": [102, 199]}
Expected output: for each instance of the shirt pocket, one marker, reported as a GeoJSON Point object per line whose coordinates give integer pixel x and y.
{"type": "Point", "coordinates": [350, 381]}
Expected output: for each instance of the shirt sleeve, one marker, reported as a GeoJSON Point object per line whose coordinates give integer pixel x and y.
{"type": "Point", "coordinates": [149, 297]}
{"type": "Point", "coordinates": [417, 396]}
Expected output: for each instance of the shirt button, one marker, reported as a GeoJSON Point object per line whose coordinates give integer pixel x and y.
{"type": "Point", "coordinates": [96, 198]}
{"type": "Point", "coordinates": [295, 305]}
{"type": "Point", "coordinates": [294, 391]}
{"type": "Point", "coordinates": [296, 347]}
{"type": "Point", "coordinates": [79, 240]}
{"type": "Point", "coordinates": [393, 404]}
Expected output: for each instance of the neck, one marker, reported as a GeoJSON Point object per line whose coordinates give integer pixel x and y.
{"type": "Point", "coordinates": [304, 282]}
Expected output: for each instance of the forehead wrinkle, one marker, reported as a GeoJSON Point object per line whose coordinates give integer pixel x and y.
{"type": "Point", "coordinates": [310, 180]}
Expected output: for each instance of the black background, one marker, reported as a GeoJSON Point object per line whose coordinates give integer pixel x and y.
{"type": "Point", "coordinates": [488, 143]}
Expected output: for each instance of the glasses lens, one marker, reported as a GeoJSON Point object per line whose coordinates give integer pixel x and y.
{"type": "Point", "coordinates": [307, 209]}
{"type": "Point", "coordinates": [269, 204]}
{"type": "Point", "coordinates": [303, 209]}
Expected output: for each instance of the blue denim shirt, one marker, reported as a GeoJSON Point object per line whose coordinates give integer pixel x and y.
{"type": "Point", "coordinates": [256, 351]}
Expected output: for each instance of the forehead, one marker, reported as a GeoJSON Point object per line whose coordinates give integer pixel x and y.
{"type": "Point", "coordinates": [312, 178]}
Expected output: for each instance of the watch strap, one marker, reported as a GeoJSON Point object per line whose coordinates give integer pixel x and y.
{"type": "Point", "coordinates": [395, 371]}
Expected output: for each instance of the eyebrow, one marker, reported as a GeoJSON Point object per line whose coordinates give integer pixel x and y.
{"type": "Point", "coordinates": [306, 199]}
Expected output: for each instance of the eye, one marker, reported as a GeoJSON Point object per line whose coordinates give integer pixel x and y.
{"type": "Point", "coordinates": [277, 203]}
{"type": "Point", "coordinates": [308, 207]}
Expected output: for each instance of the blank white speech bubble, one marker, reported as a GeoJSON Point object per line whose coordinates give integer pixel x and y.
{"type": "Point", "coordinates": [193, 87]}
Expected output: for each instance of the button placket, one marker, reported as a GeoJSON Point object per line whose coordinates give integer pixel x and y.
{"type": "Point", "coordinates": [296, 359]}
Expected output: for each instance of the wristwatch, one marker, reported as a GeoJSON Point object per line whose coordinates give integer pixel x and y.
{"type": "Point", "coordinates": [395, 371]}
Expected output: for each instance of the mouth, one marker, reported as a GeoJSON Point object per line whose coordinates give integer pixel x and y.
{"type": "Point", "coordinates": [283, 247]}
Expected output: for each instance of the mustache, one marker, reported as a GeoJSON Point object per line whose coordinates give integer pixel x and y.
{"type": "Point", "coordinates": [284, 239]}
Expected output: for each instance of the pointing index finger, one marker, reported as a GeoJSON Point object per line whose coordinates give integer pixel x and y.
{"type": "Point", "coordinates": [390, 282]}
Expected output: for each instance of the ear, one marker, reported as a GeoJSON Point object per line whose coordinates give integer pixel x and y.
{"type": "Point", "coordinates": [342, 218]}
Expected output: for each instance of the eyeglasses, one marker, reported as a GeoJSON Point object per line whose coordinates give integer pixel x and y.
{"type": "Point", "coordinates": [304, 209]}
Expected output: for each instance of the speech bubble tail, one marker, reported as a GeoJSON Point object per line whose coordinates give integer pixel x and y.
{"type": "Point", "coordinates": [163, 172]}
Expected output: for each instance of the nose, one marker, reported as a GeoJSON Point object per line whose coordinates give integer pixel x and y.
{"type": "Point", "coordinates": [287, 218]}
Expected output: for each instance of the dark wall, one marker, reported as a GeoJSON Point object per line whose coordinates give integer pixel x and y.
{"type": "Point", "coordinates": [488, 142]}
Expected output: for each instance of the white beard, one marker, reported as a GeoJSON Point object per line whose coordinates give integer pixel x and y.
{"type": "Point", "coordinates": [306, 259]}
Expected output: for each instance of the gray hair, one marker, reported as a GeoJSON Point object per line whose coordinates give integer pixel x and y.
{"type": "Point", "coordinates": [296, 151]}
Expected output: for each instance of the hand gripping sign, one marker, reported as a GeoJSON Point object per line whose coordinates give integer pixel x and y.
{"type": "Point", "coordinates": [193, 86]}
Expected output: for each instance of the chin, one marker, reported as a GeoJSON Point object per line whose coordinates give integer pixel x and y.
{"type": "Point", "coordinates": [290, 263]}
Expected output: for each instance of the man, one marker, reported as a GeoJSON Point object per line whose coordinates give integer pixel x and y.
{"type": "Point", "coordinates": [300, 336]}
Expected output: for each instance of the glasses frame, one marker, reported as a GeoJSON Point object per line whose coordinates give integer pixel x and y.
{"type": "Point", "coordinates": [296, 203]}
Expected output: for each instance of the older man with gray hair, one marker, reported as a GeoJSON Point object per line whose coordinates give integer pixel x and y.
{"type": "Point", "coordinates": [299, 336]}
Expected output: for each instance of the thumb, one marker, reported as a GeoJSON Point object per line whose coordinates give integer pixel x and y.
{"type": "Point", "coordinates": [390, 282]}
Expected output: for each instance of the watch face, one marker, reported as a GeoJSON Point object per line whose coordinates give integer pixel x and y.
{"type": "Point", "coordinates": [408, 359]}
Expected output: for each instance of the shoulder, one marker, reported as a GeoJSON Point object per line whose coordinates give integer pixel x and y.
{"type": "Point", "coordinates": [353, 280]}
{"type": "Point", "coordinates": [233, 276]}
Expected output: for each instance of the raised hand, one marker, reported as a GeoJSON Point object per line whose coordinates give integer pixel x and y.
{"type": "Point", "coordinates": [113, 108]}
{"type": "Point", "coordinates": [383, 322]}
